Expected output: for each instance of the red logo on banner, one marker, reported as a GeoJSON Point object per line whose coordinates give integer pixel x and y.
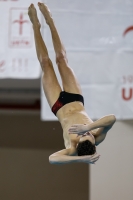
{"type": "Point", "coordinates": [20, 33]}
{"type": "Point", "coordinates": [128, 30]}
{"type": "Point", "coordinates": [21, 22]}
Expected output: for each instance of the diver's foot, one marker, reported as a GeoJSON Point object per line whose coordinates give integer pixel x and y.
{"type": "Point", "coordinates": [33, 16]}
{"type": "Point", "coordinates": [46, 12]}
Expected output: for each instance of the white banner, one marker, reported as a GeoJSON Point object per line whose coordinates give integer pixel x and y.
{"type": "Point", "coordinates": [17, 50]}
{"type": "Point", "coordinates": [98, 36]}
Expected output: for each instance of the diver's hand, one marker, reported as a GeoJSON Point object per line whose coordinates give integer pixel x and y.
{"type": "Point", "coordinates": [79, 129]}
{"type": "Point", "coordinates": [90, 159]}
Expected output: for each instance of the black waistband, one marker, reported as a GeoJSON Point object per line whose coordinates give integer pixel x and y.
{"type": "Point", "coordinates": [64, 98]}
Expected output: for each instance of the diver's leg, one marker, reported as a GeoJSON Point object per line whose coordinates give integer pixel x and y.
{"type": "Point", "coordinates": [69, 80]}
{"type": "Point", "coordinates": [51, 86]}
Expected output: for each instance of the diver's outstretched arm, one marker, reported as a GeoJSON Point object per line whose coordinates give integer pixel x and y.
{"type": "Point", "coordinates": [66, 156]}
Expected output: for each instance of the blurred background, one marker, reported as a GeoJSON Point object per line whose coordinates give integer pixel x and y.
{"type": "Point", "coordinates": [98, 37]}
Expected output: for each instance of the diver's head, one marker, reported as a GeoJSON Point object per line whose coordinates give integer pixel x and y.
{"type": "Point", "coordinates": [86, 145]}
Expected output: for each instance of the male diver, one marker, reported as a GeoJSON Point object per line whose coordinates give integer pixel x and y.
{"type": "Point", "coordinates": [81, 135]}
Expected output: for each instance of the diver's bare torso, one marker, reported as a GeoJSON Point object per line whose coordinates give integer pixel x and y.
{"type": "Point", "coordinates": [69, 114]}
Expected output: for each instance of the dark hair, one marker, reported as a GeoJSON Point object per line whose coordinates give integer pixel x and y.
{"type": "Point", "coordinates": [85, 148]}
